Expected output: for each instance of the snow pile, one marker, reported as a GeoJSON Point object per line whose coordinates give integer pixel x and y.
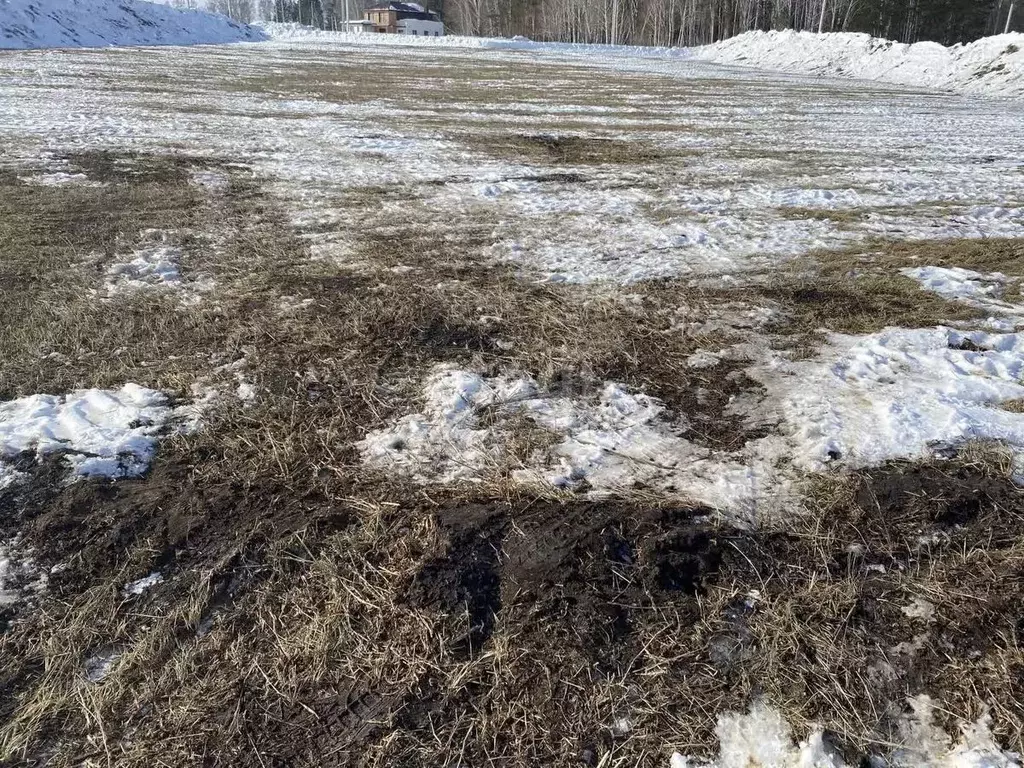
{"type": "Point", "coordinates": [976, 289]}
{"type": "Point", "coordinates": [106, 433]}
{"type": "Point", "coordinates": [898, 394]}
{"type": "Point", "coordinates": [991, 66]}
{"type": "Point", "coordinates": [762, 738]}
{"type": "Point", "coordinates": [99, 23]}
{"type": "Point", "coordinates": [615, 441]}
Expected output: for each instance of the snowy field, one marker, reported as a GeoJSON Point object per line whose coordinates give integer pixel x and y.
{"type": "Point", "coordinates": [320, 289]}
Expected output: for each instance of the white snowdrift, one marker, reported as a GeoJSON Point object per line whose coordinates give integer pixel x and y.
{"type": "Point", "coordinates": [992, 66]}
{"type": "Point", "coordinates": [100, 23]}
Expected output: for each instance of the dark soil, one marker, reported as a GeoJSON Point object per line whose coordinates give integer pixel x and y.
{"type": "Point", "coordinates": [584, 588]}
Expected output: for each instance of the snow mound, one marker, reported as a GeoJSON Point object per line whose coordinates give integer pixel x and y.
{"type": "Point", "coordinates": [992, 66]}
{"type": "Point", "coordinates": [100, 23]}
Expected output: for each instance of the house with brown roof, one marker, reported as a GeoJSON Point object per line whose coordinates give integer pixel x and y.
{"type": "Point", "coordinates": [400, 19]}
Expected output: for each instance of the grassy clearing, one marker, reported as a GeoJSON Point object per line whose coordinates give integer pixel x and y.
{"type": "Point", "coordinates": [315, 615]}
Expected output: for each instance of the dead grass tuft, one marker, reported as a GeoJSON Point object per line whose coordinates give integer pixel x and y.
{"type": "Point", "coordinates": [569, 149]}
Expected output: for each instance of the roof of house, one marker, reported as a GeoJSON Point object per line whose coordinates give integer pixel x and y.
{"type": "Point", "coordinates": [408, 11]}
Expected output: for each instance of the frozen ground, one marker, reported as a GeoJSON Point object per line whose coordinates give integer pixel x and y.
{"type": "Point", "coordinates": [992, 66]}
{"type": "Point", "coordinates": [525, 280]}
{"type": "Point", "coordinates": [668, 168]}
{"type": "Point", "coordinates": [616, 171]}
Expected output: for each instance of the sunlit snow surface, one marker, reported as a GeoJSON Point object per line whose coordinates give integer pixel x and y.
{"type": "Point", "coordinates": [746, 168]}
{"type": "Point", "coordinates": [97, 23]}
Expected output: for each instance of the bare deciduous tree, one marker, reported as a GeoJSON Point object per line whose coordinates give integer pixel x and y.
{"type": "Point", "coordinates": [666, 22]}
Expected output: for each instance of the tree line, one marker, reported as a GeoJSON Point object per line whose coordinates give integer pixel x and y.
{"type": "Point", "coordinates": [667, 22]}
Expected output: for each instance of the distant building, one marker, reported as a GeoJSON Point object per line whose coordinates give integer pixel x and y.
{"type": "Point", "coordinates": [399, 19]}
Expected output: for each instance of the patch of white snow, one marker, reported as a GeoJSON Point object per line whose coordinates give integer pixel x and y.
{"type": "Point", "coordinates": [58, 178]}
{"type": "Point", "coordinates": [618, 440]}
{"type": "Point", "coordinates": [106, 433]}
{"type": "Point", "coordinates": [898, 394]}
{"type": "Point", "coordinates": [977, 289]}
{"type": "Point", "coordinates": [20, 576]}
{"type": "Point", "coordinates": [141, 585]}
{"type": "Point", "coordinates": [154, 266]}
{"type": "Point", "coordinates": [919, 608]}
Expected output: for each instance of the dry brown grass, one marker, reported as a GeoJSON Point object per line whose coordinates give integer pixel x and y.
{"type": "Point", "coordinates": [861, 291]}
{"type": "Point", "coordinates": [315, 615]}
{"type": "Point", "coordinates": [564, 149]}
{"type": "Point", "coordinates": [57, 241]}
{"type": "Point", "coordinates": [337, 641]}
{"type": "Point", "coordinates": [982, 255]}
{"type": "Point", "coordinates": [840, 216]}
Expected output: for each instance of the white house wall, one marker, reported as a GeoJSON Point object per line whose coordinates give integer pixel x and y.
{"type": "Point", "coordinates": [420, 27]}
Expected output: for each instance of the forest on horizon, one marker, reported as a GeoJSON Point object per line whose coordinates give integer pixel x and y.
{"type": "Point", "coordinates": [666, 22]}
